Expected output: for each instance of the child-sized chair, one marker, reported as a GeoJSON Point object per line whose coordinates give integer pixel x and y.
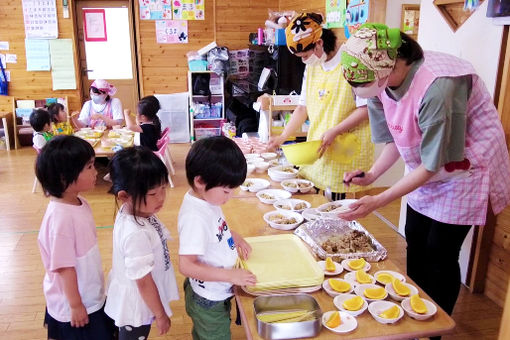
{"type": "Point", "coordinates": [159, 143]}
{"type": "Point", "coordinates": [34, 187]}
{"type": "Point", "coordinates": [163, 155]}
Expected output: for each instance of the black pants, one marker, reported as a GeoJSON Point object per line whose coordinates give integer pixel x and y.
{"type": "Point", "coordinates": [433, 257]}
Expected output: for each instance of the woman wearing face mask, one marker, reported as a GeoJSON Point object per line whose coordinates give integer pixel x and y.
{"type": "Point", "coordinates": [434, 111]}
{"type": "Point", "coordinates": [328, 102]}
{"type": "Point", "coordinates": [102, 109]}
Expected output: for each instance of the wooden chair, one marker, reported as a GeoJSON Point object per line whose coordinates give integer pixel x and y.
{"type": "Point", "coordinates": [34, 187]}
{"type": "Point", "coordinates": [163, 155]}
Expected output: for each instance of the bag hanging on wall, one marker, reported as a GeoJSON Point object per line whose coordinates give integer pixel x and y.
{"type": "Point", "coordinates": [3, 81]}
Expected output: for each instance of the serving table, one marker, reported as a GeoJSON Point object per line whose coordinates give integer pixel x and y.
{"type": "Point", "coordinates": [244, 213]}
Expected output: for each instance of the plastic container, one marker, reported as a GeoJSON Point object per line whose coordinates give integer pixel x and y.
{"type": "Point", "coordinates": [197, 65]}
{"type": "Point", "coordinates": [304, 153]}
{"type": "Point", "coordinates": [206, 132]}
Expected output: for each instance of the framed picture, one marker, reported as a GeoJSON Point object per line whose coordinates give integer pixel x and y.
{"type": "Point", "coordinates": [410, 20]}
{"type": "Point", "coordinates": [94, 25]}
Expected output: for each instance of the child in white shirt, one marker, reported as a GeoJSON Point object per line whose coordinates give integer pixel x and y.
{"type": "Point", "coordinates": [40, 121]}
{"type": "Point", "coordinates": [142, 280]}
{"type": "Point", "coordinates": [208, 249]}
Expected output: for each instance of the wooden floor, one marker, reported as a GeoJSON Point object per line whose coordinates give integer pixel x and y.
{"type": "Point", "coordinates": [21, 272]}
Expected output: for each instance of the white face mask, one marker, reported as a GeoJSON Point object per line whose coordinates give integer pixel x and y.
{"type": "Point", "coordinates": [371, 89]}
{"type": "Point", "coordinates": [98, 98]}
{"type": "Point", "coordinates": [313, 60]}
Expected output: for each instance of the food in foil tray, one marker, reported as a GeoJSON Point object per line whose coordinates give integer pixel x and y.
{"type": "Point", "coordinates": [351, 242]}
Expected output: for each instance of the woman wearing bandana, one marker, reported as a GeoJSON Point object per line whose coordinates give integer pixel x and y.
{"type": "Point", "coordinates": [435, 112]}
{"type": "Point", "coordinates": [102, 109]}
{"type": "Point", "coordinates": [328, 102]}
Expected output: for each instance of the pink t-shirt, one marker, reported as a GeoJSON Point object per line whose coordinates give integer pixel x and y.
{"type": "Point", "coordinates": [67, 238]}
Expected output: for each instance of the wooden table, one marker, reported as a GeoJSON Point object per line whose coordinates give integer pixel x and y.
{"type": "Point", "coordinates": [103, 152]}
{"type": "Point", "coordinates": [244, 213]}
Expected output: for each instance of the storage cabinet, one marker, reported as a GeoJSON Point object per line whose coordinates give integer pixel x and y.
{"type": "Point", "coordinates": [206, 104]}
{"type": "Point", "coordinates": [277, 130]}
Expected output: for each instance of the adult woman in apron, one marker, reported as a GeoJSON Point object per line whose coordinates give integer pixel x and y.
{"type": "Point", "coordinates": [434, 111]}
{"type": "Point", "coordinates": [328, 102]}
{"type": "Point", "coordinates": [102, 109]}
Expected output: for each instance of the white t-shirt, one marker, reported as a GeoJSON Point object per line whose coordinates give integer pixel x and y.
{"type": "Point", "coordinates": [327, 66]}
{"type": "Point", "coordinates": [203, 231]}
{"type": "Point", "coordinates": [38, 140]}
{"type": "Point", "coordinates": [138, 249]}
{"type": "Point", "coordinates": [116, 107]}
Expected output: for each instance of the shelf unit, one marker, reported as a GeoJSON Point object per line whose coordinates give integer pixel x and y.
{"type": "Point", "coordinates": [207, 112]}
{"type": "Point", "coordinates": [276, 108]}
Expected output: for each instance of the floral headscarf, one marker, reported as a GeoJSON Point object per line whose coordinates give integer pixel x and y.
{"type": "Point", "coordinates": [370, 53]}
{"type": "Point", "coordinates": [303, 31]}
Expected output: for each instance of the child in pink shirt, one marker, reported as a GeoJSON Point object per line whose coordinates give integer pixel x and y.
{"type": "Point", "coordinates": [73, 284]}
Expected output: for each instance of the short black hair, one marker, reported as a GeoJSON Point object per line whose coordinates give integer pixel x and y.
{"type": "Point", "coordinates": [329, 40]}
{"type": "Point", "coordinates": [60, 163]}
{"type": "Point", "coordinates": [218, 161]}
{"type": "Point", "coordinates": [136, 170]}
{"type": "Point", "coordinates": [410, 50]}
{"type": "Point", "coordinates": [149, 107]}
{"type": "Point", "coordinates": [54, 110]}
{"type": "Point", "coordinates": [39, 118]}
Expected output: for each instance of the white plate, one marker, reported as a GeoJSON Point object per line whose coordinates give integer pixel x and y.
{"type": "Point", "coordinates": [288, 214]}
{"type": "Point", "coordinates": [349, 322]}
{"type": "Point", "coordinates": [331, 292]}
{"type": "Point", "coordinates": [251, 156]}
{"type": "Point", "coordinates": [431, 309]}
{"type": "Point", "coordinates": [359, 290]}
{"type": "Point", "coordinates": [258, 184]}
{"type": "Point", "coordinates": [339, 300]}
{"type": "Point", "coordinates": [275, 194]}
{"type": "Point", "coordinates": [351, 276]}
{"type": "Point", "coordinates": [345, 264]}
{"type": "Point", "coordinates": [376, 308]}
{"type": "Point", "coordinates": [311, 214]}
{"type": "Point", "coordinates": [392, 273]}
{"type": "Point", "coordinates": [338, 268]}
{"type": "Point", "coordinates": [268, 155]}
{"type": "Point", "coordinates": [389, 288]}
{"type": "Point", "coordinates": [341, 206]}
{"type": "Point", "coordinates": [291, 203]}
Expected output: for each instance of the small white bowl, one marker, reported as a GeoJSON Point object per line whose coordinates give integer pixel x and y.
{"type": "Point", "coordinates": [335, 208]}
{"type": "Point", "coordinates": [254, 160]}
{"type": "Point", "coordinates": [392, 273]}
{"type": "Point", "coordinates": [345, 264]}
{"type": "Point", "coordinates": [251, 156]}
{"type": "Point", "coordinates": [431, 309]}
{"type": "Point", "coordinates": [282, 172]}
{"type": "Point", "coordinates": [311, 214]}
{"type": "Point", "coordinates": [294, 204]}
{"type": "Point", "coordinates": [389, 288]}
{"type": "Point", "coordinates": [338, 268]}
{"type": "Point", "coordinates": [359, 290]}
{"type": "Point", "coordinates": [249, 168]}
{"type": "Point", "coordinates": [339, 300]}
{"type": "Point", "coordinates": [261, 167]}
{"type": "Point", "coordinates": [295, 185]}
{"type": "Point", "coordinates": [269, 196]}
{"type": "Point", "coordinates": [257, 184]}
{"type": "Point", "coordinates": [268, 155]}
{"type": "Point", "coordinates": [287, 214]}
{"type": "Point", "coordinates": [376, 308]}
{"type": "Point", "coordinates": [351, 276]}
{"type": "Point", "coordinates": [331, 292]}
{"type": "Point", "coordinates": [349, 322]}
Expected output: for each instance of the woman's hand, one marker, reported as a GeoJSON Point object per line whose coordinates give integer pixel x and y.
{"type": "Point", "coordinates": [242, 277]}
{"type": "Point", "coordinates": [358, 177]}
{"type": "Point", "coordinates": [79, 316]}
{"type": "Point", "coordinates": [361, 208]}
{"type": "Point", "coordinates": [275, 142]}
{"type": "Point", "coordinates": [97, 116]}
{"type": "Point", "coordinates": [163, 323]}
{"type": "Point", "coordinates": [327, 138]}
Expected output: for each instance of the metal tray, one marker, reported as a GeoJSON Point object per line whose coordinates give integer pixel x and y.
{"type": "Point", "coordinates": [288, 330]}
{"type": "Point", "coordinates": [316, 232]}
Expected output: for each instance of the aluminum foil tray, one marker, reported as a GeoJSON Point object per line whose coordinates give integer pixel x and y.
{"type": "Point", "coordinates": [315, 233]}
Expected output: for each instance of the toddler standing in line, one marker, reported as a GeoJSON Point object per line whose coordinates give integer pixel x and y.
{"type": "Point", "coordinates": [208, 249]}
{"type": "Point", "coordinates": [60, 122]}
{"type": "Point", "coordinates": [73, 283]}
{"type": "Point", "coordinates": [40, 121]}
{"type": "Point", "coordinates": [147, 125]}
{"type": "Point", "coordinates": [142, 280]}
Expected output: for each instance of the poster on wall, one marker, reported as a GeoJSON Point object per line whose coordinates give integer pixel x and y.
{"type": "Point", "coordinates": [40, 19]}
{"type": "Point", "coordinates": [94, 25]}
{"type": "Point", "coordinates": [155, 9]}
{"type": "Point", "coordinates": [188, 9]}
{"type": "Point", "coordinates": [335, 13]}
{"type": "Point", "coordinates": [356, 14]}
{"type": "Point", "coordinates": [172, 31]}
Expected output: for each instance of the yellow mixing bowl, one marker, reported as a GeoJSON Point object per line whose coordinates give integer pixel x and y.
{"type": "Point", "coordinates": [304, 153]}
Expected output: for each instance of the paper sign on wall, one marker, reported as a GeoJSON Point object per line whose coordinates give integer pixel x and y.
{"type": "Point", "coordinates": [172, 31]}
{"type": "Point", "coordinates": [155, 9]}
{"type": "Point", "coordinates": [38, 54]}
{"type": "Point", "coordinates": [40, 18]}
{"type": "Point", "coordinates": [335, 13]}
{"type": "Point", "coordinates": [62, 64]}
{"type": "Point", "coordinates": [94, 25]}
{"type": "Point", "coordinates": [4, 45]}
{"type": "Point", "coordinates": [188, 9]}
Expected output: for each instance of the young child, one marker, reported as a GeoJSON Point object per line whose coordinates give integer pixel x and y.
{"type": "Point", "coordinates": [142, 279]}
{"type": "Point", "coordinates": [40, 122]}
{"type": "Point", "coordinates": [147, 125]}
{"type": "Point", "coordinates": [73, 284]}
{"type": "Point", "coordinates": [61, 125]}
{"type": "Point", "coordinates": [208, 249]}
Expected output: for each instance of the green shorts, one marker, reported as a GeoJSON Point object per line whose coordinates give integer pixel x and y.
{"type": "Point", "coordinates": [211, 319]}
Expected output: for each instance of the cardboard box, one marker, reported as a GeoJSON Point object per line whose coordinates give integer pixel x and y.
{"type": "Point", "coordinates": [286, 99]}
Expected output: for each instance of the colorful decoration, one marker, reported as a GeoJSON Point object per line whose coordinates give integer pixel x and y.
{"type": "Point", "coordinates": [188, 9]}
{"type": "Point", "coordinates": [356, 14]}
{"type": "Point", "coordinates": [172, 31]}
{"type": "Point", "coordinates": [155, 9]}
{"type": "Point", "coordinates": [335, 13]}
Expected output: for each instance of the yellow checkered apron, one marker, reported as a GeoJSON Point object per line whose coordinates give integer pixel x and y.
{"type": "Point", "coordinates": [329, 100]}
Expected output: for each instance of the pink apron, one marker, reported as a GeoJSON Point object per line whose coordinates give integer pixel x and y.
{"type": "Point", "coordinates": [460, 197]}
{"type": "Point", "coordinates": [107, 112]}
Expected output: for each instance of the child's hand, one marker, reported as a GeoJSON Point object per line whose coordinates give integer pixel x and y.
{"type": "Point", "coordinates": [127, 112]}
{"type": "Point", "coordinates": [242, 277]}
{"type": "Point", "coordinates": [79, 316]}
{"type": "Point", "coordinates": [163, 324]}
{"type": "Point", "coordinates": [74, 114]}
{"type": "Point", "coordinates": [243, 247]}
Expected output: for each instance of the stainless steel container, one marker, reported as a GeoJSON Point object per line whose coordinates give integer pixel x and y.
{"type": "Point", "coordinates": [288, 330]}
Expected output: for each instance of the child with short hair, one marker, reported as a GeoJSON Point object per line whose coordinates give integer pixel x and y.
{"type": "Point", "coordinates": [73, 283]}
{"type": "Point", "coordinates": [142, 279]}
{"type": "Point", "coordinates": [147, 125]}
{"type": "Point", "coordinates": [208, 249]}
{"type": "Point", "coordinates": [60, 122]}
{"type": "Point", "coordinates": [40, 122]}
